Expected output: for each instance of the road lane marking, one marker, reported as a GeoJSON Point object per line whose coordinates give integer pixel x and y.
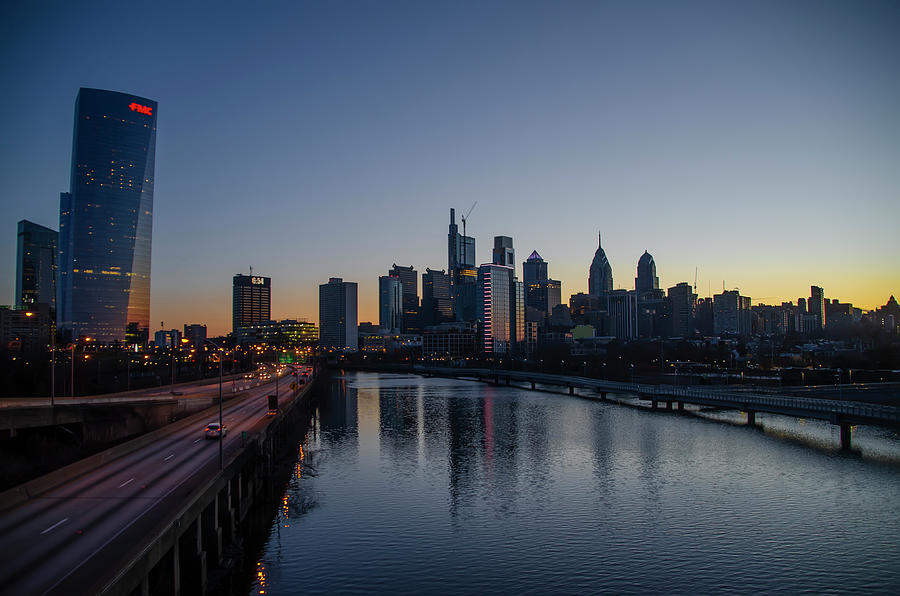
{"type": "Point", "coordinates": [170, 457]}
{"type": "Point", "coordinates": [197, 441]}
{"type": "Point", "coordinates": [126, 483]}
{"type": "Point", "coordinates": [59, 523]}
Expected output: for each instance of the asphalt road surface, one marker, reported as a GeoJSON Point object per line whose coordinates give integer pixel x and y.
{"type": "Point", "coordinates": [63, 540]}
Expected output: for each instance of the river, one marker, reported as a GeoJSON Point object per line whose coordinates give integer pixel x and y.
{"type": "Point", "coordinates": [408, 485]}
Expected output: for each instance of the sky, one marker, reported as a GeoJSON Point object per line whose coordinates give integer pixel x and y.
{"type": "Point", "coordinates": [755, 145]}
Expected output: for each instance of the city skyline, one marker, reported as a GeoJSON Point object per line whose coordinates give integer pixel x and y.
{"type": "Point", "coordinates": [768, 160]}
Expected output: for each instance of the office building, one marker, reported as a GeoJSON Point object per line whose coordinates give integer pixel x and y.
{"type": "Point", "coordinates": [731, 313]}
{"type": "Point", "coordinates": [600, 280]}
{"type": "Point", "coordinates": [195, 334]}
{"type": "Point", "coordinates": [541, 293]}
{"type": "Point", "coordinates": [338, 329]}
{"type": "Point", "coordinates": [390, 303]}
{"type": "Point", "coordinates": [289, 333]}
{"type": "Point", "coordinates": [36, 256]}
{"type": "Point", "coordinates": [646, 279]}
{"type": "Point", "coordinates": [503, 253]}
{"type": "Point", "coordinates": [623, 314]}
{"type": "Point", "coordinates": [497, 319]}
{"type": "Point", "coordinates": [462, 272]}
{"type": "Point", "coordinates": [436, 306]}
{"type": "Point", "coordinates": [167, 338]}
{"type": "Point", "coordinates": [251, 301]}
{"type": "Point", "coordinates": [409, 279]}
{"type": "Point", "coordinates": [106, 218]}
{"type": "Point", "coordinates": [26, 330]}
{"type": "Point", "coordinates": [449, 341]}
{"type": "Point", "coordinates": [534, 269]}
{"type": "Point", "coordinates": [816, 307]}
{"type": "Point", "coordinates": [682, 301]}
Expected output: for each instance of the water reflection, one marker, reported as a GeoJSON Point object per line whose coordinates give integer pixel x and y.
{"type": "Point", "coordinates": [410, 485]}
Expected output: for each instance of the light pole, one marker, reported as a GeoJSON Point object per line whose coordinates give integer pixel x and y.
{"type": "Point", "coordinates": [52, 362]}
{"type": "Point", "coordinates": [72, 372]}
{"type": "Point", "coordinates": [221, 428]}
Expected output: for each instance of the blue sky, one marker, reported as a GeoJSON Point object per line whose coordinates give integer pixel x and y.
{"type": "Point", "coordinates": [756, 141]}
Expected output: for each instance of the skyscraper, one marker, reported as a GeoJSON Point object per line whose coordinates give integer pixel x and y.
{"type": "Point", "coordinates": [646, 279]}
{"type": "Point", "coordinates": [541, 292]}
{"type": "Point", "coordinates": [462, 272]}
{"type": "Point", "coordinates": [409, 279]}
{"type": "Point", "coordinates": [504, 253]}
{"type": "Point", "coordinates": [251, 301]}
{"type": "Point", "coordinates": [105, 219]}
{"type": "Point", "coordinates": [36, 266]}
{"type": "Point", "coordinates": [682, 301]}
{"type": "Point", "coordinates": [497, 318]}
{"type": "Point", "coordinates": [816, 306]}
{"type": "Point", "coordinates": [534, 269]}
{"type": "Point", "coordinates": [390, 303]}
{"type": "Point", "coordinates": [623, 314]}
{"type": "Point", "coordinates": [600, 280]}
{"type": "Point", "coordinates": [436, 306]}
{"type": "Point", "coordinates": [338, 315]}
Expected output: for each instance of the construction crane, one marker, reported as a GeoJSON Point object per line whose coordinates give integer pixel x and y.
{"type": "Point", "coordinates": [466, 216]}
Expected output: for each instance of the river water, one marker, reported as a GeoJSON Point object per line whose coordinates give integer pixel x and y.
{"type": "Point", "coordinates": [407, 485]}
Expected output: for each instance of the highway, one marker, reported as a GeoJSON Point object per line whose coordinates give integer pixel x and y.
{"type": "Point", "coordinates": [60, 542]}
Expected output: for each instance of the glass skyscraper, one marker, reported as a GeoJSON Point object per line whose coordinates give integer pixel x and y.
{"type": "Point", "coordinates": [106, 218]}
{"type": "Point", "coordinates": [36, 266]}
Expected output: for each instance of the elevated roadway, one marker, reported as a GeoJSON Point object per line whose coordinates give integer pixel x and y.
{"type": "Point", "coordinates": [61, 540]}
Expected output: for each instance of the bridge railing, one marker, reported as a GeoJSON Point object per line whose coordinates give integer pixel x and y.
{"type": "Point", "coordinates": [734, 399]}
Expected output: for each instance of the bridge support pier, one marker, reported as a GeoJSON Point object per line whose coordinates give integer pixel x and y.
{"type": "Point", "coordinates": [165, 577]}
{"type": "Point", "coordinates": [669, 405]}
{"type": "Point", "coordinates": [654, 404]}
{"type": "Point", "coordinates": [846, 442]}
{"type": "Point", "coordinates": [507, 380]}
{"type": "Point", "coordinates": [212, 533]}
{"type": "Point", "coordinates": [571, 390]}
{"type": "Point", "coordinates": [681, 406]}
{"type": "Point", "coordinates": [532, 385]}
{"type": "Point", "coordinates": [603, 396]}
{"type": "Point", "coordinates": [751, 418]}
{"type": "Point", "coordinates": [192, 560]}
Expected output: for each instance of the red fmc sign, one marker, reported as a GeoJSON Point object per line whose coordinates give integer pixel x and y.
{"type": "Point", "coordinates": [136, 107]}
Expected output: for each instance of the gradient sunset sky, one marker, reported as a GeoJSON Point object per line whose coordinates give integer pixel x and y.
{"type": "Point", "coordinates": [756, 141]}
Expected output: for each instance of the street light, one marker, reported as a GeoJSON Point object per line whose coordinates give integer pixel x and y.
{"type": "Point", "coordinates": [174, 346]}
{"type": "Point", "coordinates": [221, 428]}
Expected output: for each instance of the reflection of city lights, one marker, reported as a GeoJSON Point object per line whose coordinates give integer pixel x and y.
{"type": "Point", "coordinates": [261, 577]}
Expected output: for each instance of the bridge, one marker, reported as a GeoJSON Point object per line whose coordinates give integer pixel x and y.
{"type": "Point", "coordinates": [839, 412]}
{"type": "Point", "coordinates": [154, 515]}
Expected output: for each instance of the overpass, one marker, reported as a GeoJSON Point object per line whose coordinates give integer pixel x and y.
{"type": "Point", "coordinates": [840, 412]}
{"type": "Point", "coordinates": [152, 515]}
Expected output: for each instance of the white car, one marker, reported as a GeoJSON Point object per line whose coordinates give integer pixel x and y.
{"type": "Point", "coordinates": [214, 431]}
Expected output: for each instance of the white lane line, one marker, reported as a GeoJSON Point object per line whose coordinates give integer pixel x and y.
{"type": "Point", "coordinates": [59, 523]}
{"type": "Point", "coordinates": [198, 440]}
{"type": "Point", "coordinates": [171, 455]}
{"type": "Point", "coordinates": [126, 483]}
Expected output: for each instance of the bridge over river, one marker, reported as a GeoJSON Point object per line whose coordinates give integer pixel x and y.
{"type": "Point", "coordinates": [844, 413]}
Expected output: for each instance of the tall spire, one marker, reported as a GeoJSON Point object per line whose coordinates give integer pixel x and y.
{"type": "Point", "coordinates": [600, 277]}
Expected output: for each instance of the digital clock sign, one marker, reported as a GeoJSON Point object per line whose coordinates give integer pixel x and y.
{"type": "Point", "coordinates": [258, 281]}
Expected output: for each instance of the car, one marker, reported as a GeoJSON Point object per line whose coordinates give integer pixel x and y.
{"type": "Point", "coordinates": [214, 431]}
